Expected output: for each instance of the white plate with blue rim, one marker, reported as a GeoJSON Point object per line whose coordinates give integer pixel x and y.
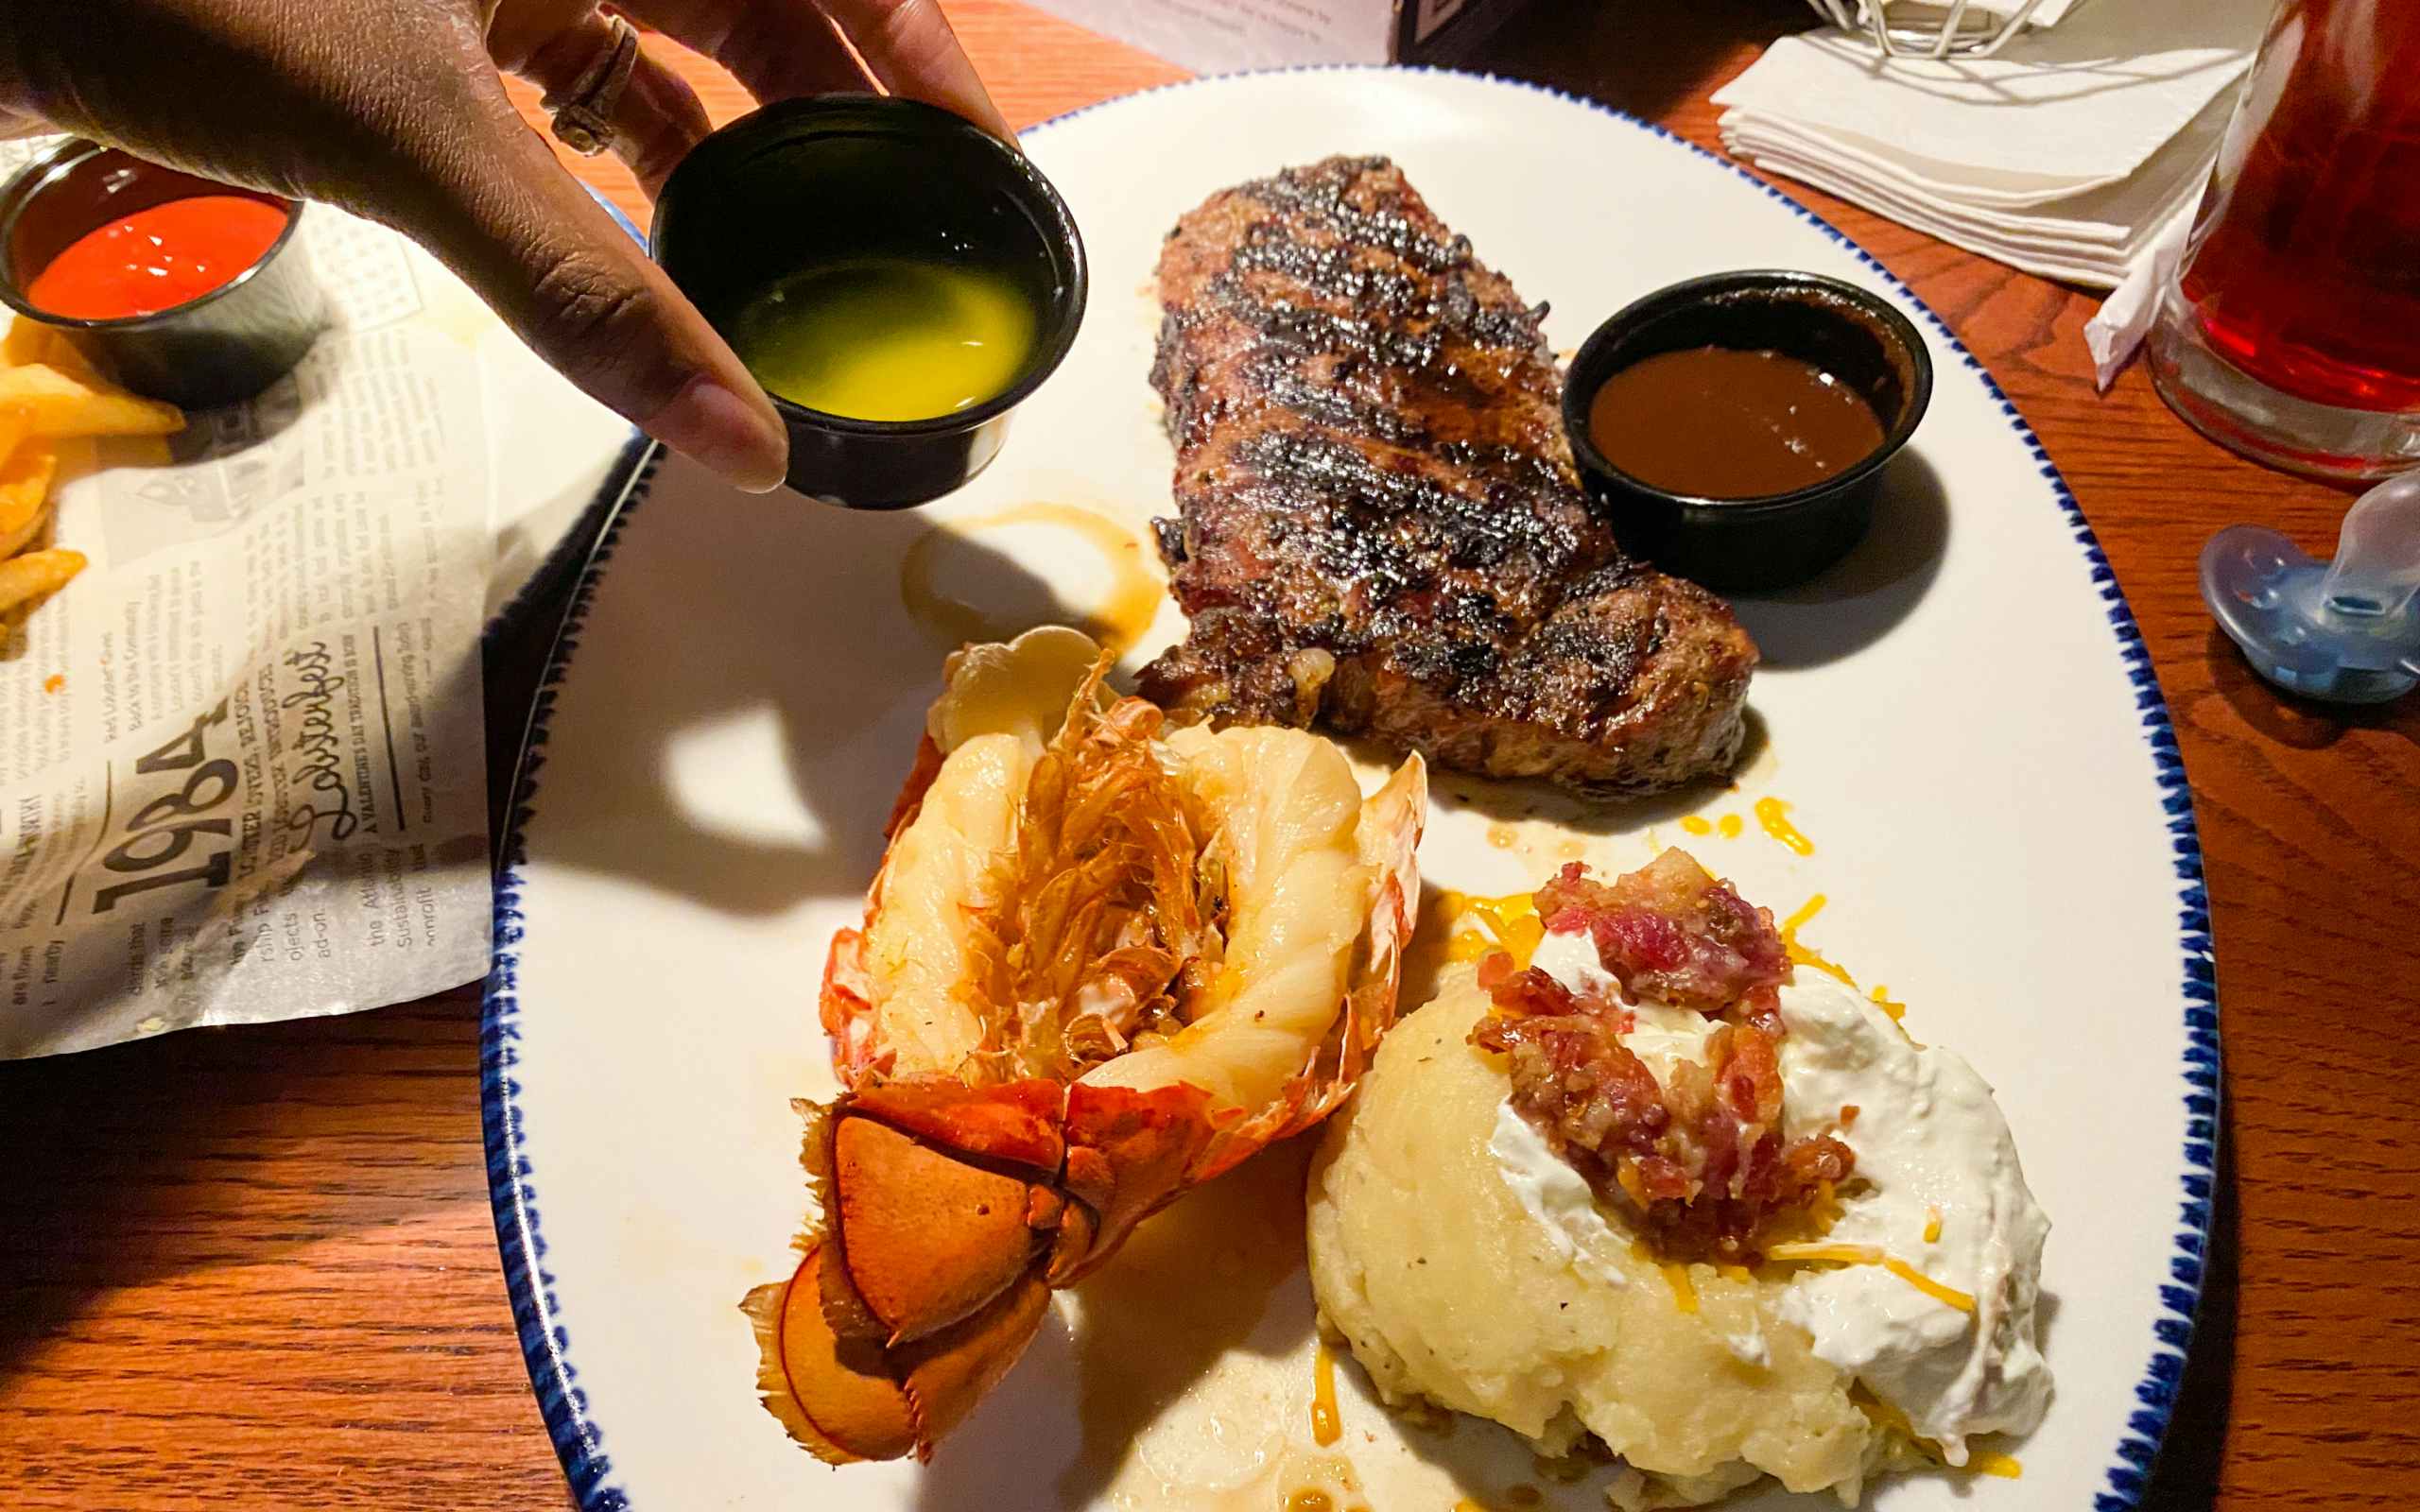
{"type": "Point", "coordinates": [1958, 723]}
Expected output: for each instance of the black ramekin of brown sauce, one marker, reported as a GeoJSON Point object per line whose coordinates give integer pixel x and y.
{"type": "Point", "coordinates": [841, 178]}
{"type": "Point", "coordinates": [1702, 495]}
{"type": "Point", "coordinates": [216, 348]}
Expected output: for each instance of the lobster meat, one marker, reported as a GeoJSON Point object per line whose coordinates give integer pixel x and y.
{"type": "Point", "coordinates": [1102, 962]}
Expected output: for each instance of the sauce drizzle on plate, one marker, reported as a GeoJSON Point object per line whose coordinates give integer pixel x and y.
{"type": "Point", "coordinates": [1119, 619]}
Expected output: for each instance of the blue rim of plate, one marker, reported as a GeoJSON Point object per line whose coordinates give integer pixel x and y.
{"type": "Point", "coordinates": [545, 1343]}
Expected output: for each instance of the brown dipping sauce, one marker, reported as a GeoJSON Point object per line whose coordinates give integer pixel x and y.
{"type": "Point", "coordinates": [1727, 424]}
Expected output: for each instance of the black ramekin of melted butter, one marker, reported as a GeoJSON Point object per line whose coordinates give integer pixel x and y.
{"type": "Point", "coordinates": [896, 278]}
{"type": "Point", "coordinates": [1737, 426]}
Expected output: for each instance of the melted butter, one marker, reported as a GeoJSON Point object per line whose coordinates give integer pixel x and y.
{"type": "Point", "coordinates": [1310, 1498]}
{"type": "Point", "coordinates": [1123, 616]}
{"type": "Point", "coordinates": [887, 338]}
{"type": "Point", "coordinates": [1773, 814]}
{"type": "Point", "coordinates": [1327, 1427]}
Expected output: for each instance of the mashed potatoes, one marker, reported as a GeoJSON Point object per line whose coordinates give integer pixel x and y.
{"type": "Point", "coordinates": [1448, 1287]}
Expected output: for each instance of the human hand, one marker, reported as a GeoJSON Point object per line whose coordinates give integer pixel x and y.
{"type": "Point", "coordinates": [393, 110]}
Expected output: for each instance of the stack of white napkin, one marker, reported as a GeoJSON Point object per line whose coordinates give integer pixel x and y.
{"type": "Point", "coordinates": [2069, 153]}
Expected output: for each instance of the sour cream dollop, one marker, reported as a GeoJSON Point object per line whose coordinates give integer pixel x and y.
{"type": "Point", "coordinates": [1928, 1139]}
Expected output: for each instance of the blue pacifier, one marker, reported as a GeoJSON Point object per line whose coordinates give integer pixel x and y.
{"type": "Point", "coordinates": [2346, 631]}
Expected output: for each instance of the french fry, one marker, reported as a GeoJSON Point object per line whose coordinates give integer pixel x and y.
{"type": "Point", "coordinates": [60, 404]}
{"type": "Point", "coordinates": [14, 424]}
{"type": "Point", "coordinates": [31, 341]}
{"type": "Point", "coordinates": [24, 495]}
{"type": "Point", "coordinates": [27, 341]}
{"type": "Point", "coordinates": [37, 573]}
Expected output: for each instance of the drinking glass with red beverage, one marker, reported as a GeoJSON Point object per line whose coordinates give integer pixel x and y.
{"type": "Point", "coordinates": [2292, 332]}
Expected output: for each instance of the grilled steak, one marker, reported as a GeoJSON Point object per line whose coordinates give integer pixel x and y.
{"type": "Point", "coordinates": [1380, 526]}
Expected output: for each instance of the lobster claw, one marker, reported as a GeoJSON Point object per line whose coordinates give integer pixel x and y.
{"type": "Point", "coordinates": [950, 1213]}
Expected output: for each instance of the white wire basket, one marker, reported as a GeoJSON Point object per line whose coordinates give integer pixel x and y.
{"type": "Point", "coordinates": [1956, 29]}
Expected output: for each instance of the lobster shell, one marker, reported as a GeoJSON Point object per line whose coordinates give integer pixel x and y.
{"type": "Point", "coordinates": [948, 1211]}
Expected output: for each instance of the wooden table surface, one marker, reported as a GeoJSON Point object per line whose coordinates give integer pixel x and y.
{"type": "Point", "coordinates": [255, 1269]}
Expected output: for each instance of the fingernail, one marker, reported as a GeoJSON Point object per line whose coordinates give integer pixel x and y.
{"type": "Point", "coordinates": [735, 435]}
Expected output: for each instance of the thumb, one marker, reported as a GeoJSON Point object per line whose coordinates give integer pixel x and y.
{"type": "Point", "coordinates": [497, 208]}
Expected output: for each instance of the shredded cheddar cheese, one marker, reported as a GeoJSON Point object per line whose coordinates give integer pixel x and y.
{"type": "Point", "coordinates": [1932, 1224]}
{"type": "Point", "coordinates": [1327, 1427]}
{"type": "Point", "coordinates": [1893, 1422]}
{"type": "Point", "coordinates": [1626, 1175]}
{"type": "Point", "coordinates": [1872, 1255]}
{"type": "Point", "coordinates": [1684, 1292]}
{"type": "Point", "coordinates": [1730, 826]}
{"type": "Point", "coordinates": [1801, 955]}
{"type": "Point", "coordinates": [1510, 923]}
{"type": "Point", "coordinates": [1806, 911]}
{"type": "Point", "coordinates": [1692, 824]}
{"type": "Point", "coordinates": [1946, 1296]}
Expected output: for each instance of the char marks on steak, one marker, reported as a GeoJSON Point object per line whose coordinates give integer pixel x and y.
{"type": "Point", "coordinates": [1379, 526]}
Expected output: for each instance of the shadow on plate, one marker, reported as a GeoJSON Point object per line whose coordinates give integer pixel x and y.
{"type": "Point", "coordinates": [1859, 599]}
{"type": "Point", "coordinates": [1217, 1274]}
{"type": "Point", "coordinates": [724, 620]}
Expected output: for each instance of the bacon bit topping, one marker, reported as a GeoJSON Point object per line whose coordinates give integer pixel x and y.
{"type": "Point", "coordinates": [1848, 1115]}
{"type": "Point", "coordinates": [1702, 1160]}
{"type": "Point", "coordinates": [1670, 932]}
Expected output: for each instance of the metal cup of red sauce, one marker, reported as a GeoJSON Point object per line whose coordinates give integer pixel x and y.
{"type": "Point", "coordinates": [175, 286]}
{"type": "Point", "coordinates": [1736, 426]}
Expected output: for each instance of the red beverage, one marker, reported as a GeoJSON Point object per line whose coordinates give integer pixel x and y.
{"type": "Point", "coordinates": [2305, 266]}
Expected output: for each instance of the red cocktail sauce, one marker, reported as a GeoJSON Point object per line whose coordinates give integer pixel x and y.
{"type": "Point", "coordinates": [158, 257]}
